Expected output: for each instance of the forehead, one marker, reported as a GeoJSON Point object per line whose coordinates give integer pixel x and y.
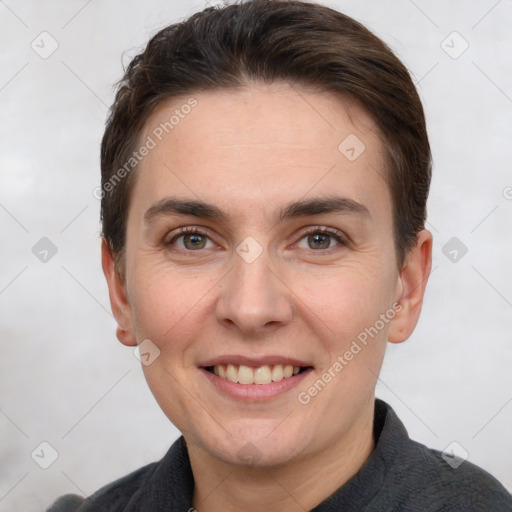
{"type": "Point", "coordinates": [259, 145]}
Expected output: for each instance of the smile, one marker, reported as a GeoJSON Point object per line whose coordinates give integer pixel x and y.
{"type": "Point", "coordinates": [265, 374]}
{"type": "Point", "coordinates": [254, 378]}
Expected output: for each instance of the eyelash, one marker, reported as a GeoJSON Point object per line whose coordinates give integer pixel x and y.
{"type": "Point", "coordinates": [334, 233]}
{"type": "Point", "coordinates": [189, 230]}
{"type": "Point", "coordinates": [337, 235]}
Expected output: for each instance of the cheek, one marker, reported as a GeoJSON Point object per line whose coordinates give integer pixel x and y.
{"type": "Point", "coordinates": [345, 300]}
{"type": "Point", "coordinates": [168, 306]}
{"type": "Point", "coordinates": [344, 310]}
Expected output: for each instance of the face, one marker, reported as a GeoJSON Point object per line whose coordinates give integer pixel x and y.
{"type": "Point", "coordinates": [260, 250]}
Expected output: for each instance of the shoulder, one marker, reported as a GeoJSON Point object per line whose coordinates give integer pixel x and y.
{"type": "Point", "coordinates": [420, 478]}
{"type": "Point", "coordinates": [66, 503]}
{"type": "Point", "coordinates": [425, 479]}
{"type": "Point", "coordinates": [114, 496]}
{"type": "Point", "coordinates": [451, 483]}
{"type": "Point", "coordinates": [168, 481]}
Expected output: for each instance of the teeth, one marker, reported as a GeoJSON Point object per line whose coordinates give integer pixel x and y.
{"type": "Point", "coordinates": [245, 375]}
{"type": "Point", "coordinates": [277, 372]}
{"type": "Point", "coordinates": [287, 371]}
{"type": "Point", "coordinates": [232, 373]}
{"type": "Point", "coordinates": [261, 375]}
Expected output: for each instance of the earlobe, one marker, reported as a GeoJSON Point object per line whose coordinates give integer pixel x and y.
{"type": "Point", "coordinates": [118, 298]}
{"type": "Point", "coordinates": [411, 288]}
{"type": "Point", "coordinates": [125, 337]}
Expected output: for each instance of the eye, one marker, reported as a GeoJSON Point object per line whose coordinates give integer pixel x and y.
{"type": "Point", "coordinates": [191, 239]}
{"type": "Point", "coordinates": [321, 239]}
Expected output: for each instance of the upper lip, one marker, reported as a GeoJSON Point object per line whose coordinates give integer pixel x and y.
{"type": "Point", "coordinates": [253, 361]}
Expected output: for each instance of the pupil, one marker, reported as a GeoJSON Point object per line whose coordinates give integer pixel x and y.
{"type": "Point", "coordinates": [319, 241]}
{"type": "Point", "coordinates": [194, 240]}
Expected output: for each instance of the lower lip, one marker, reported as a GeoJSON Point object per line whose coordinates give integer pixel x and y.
{"type": "Point", "coordinates": [255, 392]}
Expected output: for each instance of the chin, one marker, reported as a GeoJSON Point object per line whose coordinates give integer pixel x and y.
{"type": "Point", "coordinates": [258, 444]}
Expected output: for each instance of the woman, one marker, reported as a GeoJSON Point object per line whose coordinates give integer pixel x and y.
{"type": "Point", "coordinates": [265, 171]}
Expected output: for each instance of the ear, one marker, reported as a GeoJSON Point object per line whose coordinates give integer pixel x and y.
{"type": "Point", "coordinates": [411, 288]}
{"type": "Point", "coordinates": [118, 297]}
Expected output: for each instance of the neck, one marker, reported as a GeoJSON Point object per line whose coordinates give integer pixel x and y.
{"type": "Point", "coordinates": [226, 487]}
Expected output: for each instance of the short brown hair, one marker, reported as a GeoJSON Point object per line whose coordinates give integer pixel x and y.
{"type": "Point", "coordinates": [266, 41]}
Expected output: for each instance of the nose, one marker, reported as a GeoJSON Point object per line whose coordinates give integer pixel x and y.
{"type": "Point", "coordinates": [254, 299]}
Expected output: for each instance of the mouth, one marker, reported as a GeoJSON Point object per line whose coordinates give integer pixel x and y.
{"type": "Point", "coordinates": [254, 379]}
{"type": "Point", "coordinates": [259, 375]}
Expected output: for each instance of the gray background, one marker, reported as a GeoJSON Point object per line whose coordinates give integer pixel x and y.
{"type": "Point", "coordinates": [66, 380]}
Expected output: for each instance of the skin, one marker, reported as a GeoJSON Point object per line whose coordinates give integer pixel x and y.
{"type": "Point", "coordinates": [250, 152]}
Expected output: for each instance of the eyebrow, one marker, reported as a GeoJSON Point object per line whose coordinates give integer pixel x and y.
{"type": "Point", "coordinates": [296, 209]}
